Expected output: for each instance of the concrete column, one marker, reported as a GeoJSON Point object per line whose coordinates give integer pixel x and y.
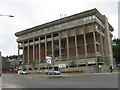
{"type": "Point", "coordinates": [67, 46]}
{"type": "Point", "coordinates": [76, 49]}
{"type": "Point", "coordinates": [18, 52]}
{"type": "Point", "coordinates": [101, 43]}
{"type": "Point", "coordinates": [28, 62]}
{"type": "Point", "coordinates": [28, 54]}
{"type": "Point", "coordinates": [45, 45]}
{"type": "Point", "coordinates": [85, 46]}
{"type": "Point", "coordinates": [108, 43]}
{"type": "Point", "coordinates": [94, 38]}
{"type": "Point", "coordinates": [59, 46]}
{"type": "Point", "coordinates": [23, 51]}
{"type": "Point", "coordinates": [95, 47]}
{"type": "Point", "coordinates": [33, 49]}
{"type": "Point", "coordinates": [39, 51]}
{"type": "Point", "coordinates": [36, 54]}
{"type": "Point", "coordinates": [52, 46]}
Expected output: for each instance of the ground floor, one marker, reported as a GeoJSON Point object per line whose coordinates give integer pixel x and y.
{"type": "Point", "coordinates": [83, 65]}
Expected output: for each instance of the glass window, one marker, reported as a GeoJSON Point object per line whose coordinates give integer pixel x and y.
{"type": "Point", "coordinates": [93, 16]}
{"type": "Point", "coordinates": [90, 17]}
{"type": "Point", "coordinates": [46, 29]}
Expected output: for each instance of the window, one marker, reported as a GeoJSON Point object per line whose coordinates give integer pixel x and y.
{"type": "Point", "coordinates": [55, 34]}
{"type": "Point", "coordinates": [46, 29]}
{"type": "Point", "coordinates": [93, 16]}
{"type": "Point", "coordinates": [48, 36]}
{"type": "Point", "coordinates": [41, 38]}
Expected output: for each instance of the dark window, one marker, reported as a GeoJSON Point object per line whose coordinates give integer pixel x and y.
{"type": "Point", "coordinates": [48, 36]}
{"type": "Point", "coordinates": [81, 65]}
{"type": "Point", "coordinates": [55, 34]}
{"type": "Point", "coordinates": [30, 68]}
{"type": "Point", "coordinates": [41, 38]}
{"type": "Point", "coordinates": [36, 39]}
{"type": "Point", "coordinates": [31, 41]}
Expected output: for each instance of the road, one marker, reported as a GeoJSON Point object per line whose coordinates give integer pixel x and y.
{"type": "Point", "coordinates": [78, 81]}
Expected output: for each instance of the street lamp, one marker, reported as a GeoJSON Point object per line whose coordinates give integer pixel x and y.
{"type": "Point", "coordinates": [7, 15]}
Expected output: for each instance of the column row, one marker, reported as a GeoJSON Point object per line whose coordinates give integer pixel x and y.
{"type": "Point", "coordinates": [74, 47]}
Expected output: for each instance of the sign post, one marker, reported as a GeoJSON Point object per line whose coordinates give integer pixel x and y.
{"type": "Point", "coordinates": [48, 62]}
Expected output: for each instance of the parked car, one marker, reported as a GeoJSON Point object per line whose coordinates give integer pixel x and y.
{"type": "Point", "coordinates": [39, 71]}
{"type": "Point", "coordinates": [22, 72]}
{"type": "Point", "coordinates": [118, 65]}
{"type": "Point", "coordinates": [52, 72]}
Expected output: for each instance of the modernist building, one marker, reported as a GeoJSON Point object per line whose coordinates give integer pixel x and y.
{"type": "Point", "coordinates": [84, 37]}
{"type": "Point", "coordinates": [0, 64]}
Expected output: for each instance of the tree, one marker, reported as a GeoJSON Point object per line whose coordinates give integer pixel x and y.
{"type": "Point", "coordinates": [73, 63]}
{"type": "Point", "coordinates": [117, 41]}
{"type": "Point", "coordinates": [116, 50]}
{"type": "Point", "coordinates": [14, 63]}
{"type": "Point", "coordinates": [33, 64]}
{"type": "Point", "coordinates": [13, 57]}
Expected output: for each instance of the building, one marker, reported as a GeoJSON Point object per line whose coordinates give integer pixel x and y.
{"type": "Point", "coordinates": [84, 37]}
{"type": "Point", "coordinates": [5, 65]}
{"type": "Point", "coordinates": [0, 63]}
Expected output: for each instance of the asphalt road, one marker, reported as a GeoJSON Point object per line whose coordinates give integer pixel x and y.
{"type": "Point", "coordinates": [79, 81]}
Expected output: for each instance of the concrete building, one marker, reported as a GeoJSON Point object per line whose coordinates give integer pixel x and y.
{"type": "Point", "coordinates": [0, 63]}
{"type": "Point", "coordinates": [84, 37]}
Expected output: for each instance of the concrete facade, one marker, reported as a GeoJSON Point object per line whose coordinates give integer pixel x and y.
{"type": "Point", "coordinates": [84, 37]}
{"type": "Point", "coordinates": [0, 63]}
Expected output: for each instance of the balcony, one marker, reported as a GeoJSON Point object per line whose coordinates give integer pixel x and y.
{"type": "Point", "coordinates": [62, 26]}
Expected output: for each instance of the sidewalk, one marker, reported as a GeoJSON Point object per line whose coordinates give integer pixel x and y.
{"type": "Point", "coordinates": [44, 77]}
{"type": "Point", "coordinates": [4, 84]}
{"type": "Point", "coordinates": [8, 85]}
{"type": "Point", "coordinates": [40, 76]}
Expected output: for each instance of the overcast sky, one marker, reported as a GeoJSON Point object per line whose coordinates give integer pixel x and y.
{"type": "Point", "coordinates": [29, 13]}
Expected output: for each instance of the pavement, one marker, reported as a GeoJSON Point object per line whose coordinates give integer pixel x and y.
{"type": "Point", "coordinates": [9, 85]}
{"type": "Point", "coordinates": [4, 84]}
{"type": "Point", "coordinates": [44, 77]}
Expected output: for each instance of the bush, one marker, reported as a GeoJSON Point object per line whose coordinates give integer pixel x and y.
{"type": "Point", "coordinates": [73, 63]}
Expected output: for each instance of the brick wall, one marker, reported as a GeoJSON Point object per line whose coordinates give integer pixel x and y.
{"type": "Point", "coordinates": [49, 48]}
{"type": "Point", "coordinates": [25, 54]}
{"type": "Point", "coordinates": [72, 46]}
{"type": "Point", "coordinates": [42, 51]}
{"type": "Point", "coordinates": [36, 52]}
{"type": "Point", "coordinates": [90, 43]}
{"type": "Point", "coordinates": [80, 45]}
{"type": "Point", "coordinates": [31, 53]}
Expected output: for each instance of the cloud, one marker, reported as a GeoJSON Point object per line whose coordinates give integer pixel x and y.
{"type": "Point", "coordinates": [29, 13]}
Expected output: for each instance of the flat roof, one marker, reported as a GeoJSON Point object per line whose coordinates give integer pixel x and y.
{"type": "Point", "coordinates": [63, 20]}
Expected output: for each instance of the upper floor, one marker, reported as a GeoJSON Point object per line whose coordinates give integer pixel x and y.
{"type": "Point", "coordinates": [85, 19]}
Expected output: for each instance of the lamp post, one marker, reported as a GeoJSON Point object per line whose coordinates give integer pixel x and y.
{"type": "Point", "coordinates": [7, 15]}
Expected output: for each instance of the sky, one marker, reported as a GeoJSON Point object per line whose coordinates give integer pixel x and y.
{"type": "Point", "coordinates": [30, 13]}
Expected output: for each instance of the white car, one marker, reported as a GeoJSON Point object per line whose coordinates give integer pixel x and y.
{"type": "Point", "coordinates": [39, 71]}
{"type": "Point", "coordinates": [52, 72]}
{"type": "Point", "coordinates": [22, 72]}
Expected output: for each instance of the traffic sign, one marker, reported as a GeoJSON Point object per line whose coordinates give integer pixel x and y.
{"type": "Point", "coordinates": [48, 60]}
